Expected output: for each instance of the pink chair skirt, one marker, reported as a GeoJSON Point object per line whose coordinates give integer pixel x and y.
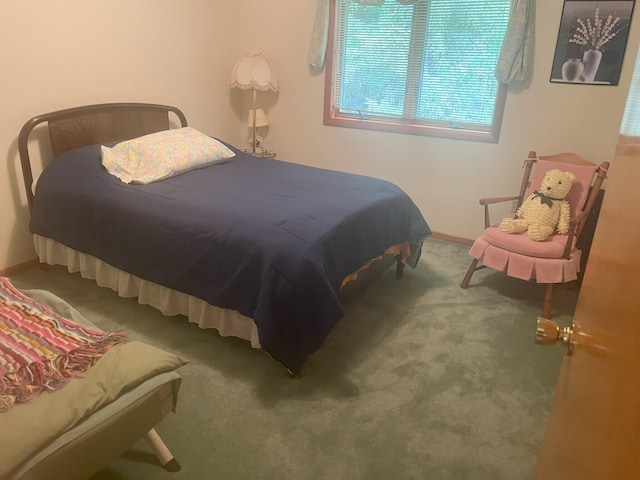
{"type": "Point", "coordinates": [543, 270]}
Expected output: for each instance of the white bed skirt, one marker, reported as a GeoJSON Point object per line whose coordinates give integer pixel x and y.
{"type": "Point", "coordinates": [168, 301]}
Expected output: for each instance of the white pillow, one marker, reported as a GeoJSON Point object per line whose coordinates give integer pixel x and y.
{"type": "Point", "coordinates": [162, 155]}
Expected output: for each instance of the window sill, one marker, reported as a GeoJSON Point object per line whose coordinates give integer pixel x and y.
{"type": "Point", "coordinates": [443, 131]}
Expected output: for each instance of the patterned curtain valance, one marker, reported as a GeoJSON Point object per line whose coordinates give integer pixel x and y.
{"type": "Point", "coordinates": [515, 55]}
{"type": "Point", "coordinates": [319, 34]}
{"type": "Point", "coordinates": [517, 48]}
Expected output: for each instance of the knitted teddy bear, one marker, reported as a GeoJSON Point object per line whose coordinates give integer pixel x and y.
{"type": "Point", "coordinates": [545, 210]}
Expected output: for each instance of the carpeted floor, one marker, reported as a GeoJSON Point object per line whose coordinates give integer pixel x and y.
{"type": "Point", "coordinates": [420, 380]}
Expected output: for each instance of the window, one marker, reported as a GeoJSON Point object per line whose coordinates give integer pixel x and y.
{"type": "Point", "coordinates": [631, 119]}
{"type": "Point", "coordinates": [425, 68]}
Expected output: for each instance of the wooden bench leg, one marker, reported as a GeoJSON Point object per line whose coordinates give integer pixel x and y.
{"type": "Point", "coordinates": [162, 453]}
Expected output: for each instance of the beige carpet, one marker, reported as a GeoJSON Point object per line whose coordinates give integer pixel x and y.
{"type": "Point", "coordinates": [420, 380]}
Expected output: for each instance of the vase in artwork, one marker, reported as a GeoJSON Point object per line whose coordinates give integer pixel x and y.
{"type": "Point", "coordinates": [572, 70]}
{"type": "Point", "coordinates": [591, 59]}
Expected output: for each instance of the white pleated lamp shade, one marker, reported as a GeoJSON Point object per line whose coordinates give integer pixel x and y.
{"type": "Point", "coordinates": [252, 71]}
{"type": "Point", "coordinates": [261, 118]}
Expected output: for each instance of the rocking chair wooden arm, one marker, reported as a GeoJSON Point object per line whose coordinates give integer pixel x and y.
{"type": "Point", "coordinates": [575, 227]}
{"type": "Point", "coordinates": [490, 201]}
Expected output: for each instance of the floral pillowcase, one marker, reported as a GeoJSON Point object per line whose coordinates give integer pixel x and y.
{"type": "Point", "coordinates": [162, 155]}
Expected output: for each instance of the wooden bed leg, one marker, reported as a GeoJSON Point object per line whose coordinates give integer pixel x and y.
{"type": "Point", "coordinates": [399, 267]}
{"type": "Point", "coordinates": [162, 453]}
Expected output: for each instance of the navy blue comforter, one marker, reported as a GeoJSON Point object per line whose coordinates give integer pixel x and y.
{"type": "Point", "coordinates": [270, 239]}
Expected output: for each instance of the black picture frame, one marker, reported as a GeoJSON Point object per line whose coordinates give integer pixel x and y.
{"type": "Point", "coordinates": [583, 23]}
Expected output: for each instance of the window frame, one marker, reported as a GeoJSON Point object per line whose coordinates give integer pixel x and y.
{"type": "Point", "coordinates": [332, 117]}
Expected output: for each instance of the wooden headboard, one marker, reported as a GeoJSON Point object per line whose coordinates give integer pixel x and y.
{"type": "Point", "coordinates": [94, 124]}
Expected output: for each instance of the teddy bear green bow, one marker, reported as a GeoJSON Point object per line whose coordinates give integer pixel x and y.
{"type": "Point", "coordinates": [545, 199]}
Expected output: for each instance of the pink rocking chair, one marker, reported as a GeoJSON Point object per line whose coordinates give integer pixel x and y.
{"type": "Point", "coordinates": [555, 260]}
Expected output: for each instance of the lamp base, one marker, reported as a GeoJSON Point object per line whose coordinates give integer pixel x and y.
{"type": "Point", "coordinates": [261, 154]}
{"type": "Point", "coordinates": [259, 140]}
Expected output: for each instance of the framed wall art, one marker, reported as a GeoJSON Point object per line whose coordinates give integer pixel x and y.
{"type": "Point", "coordinates": [592, 39]}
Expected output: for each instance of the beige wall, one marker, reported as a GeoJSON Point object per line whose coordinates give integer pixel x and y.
{"type": "Point", "coordinates": [444, 177]}
{"type": "Point", "coordinates": [72, 52]}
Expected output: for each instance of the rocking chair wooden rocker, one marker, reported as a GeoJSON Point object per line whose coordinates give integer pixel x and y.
{"type": "Point", "coordinates": [555, 260]}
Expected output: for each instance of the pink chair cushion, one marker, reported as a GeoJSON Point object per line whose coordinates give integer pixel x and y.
{"type": "Point", "coordinates": [520, 243]}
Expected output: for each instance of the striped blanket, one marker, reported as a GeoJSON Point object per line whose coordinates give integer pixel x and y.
{"type": "Point", "coordinates": [41, 350]}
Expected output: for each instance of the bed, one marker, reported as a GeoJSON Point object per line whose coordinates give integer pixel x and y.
{"type": "Point", "coordinates": [261, 249]}
{"type": "Point", "coordinates": [72, 430]}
